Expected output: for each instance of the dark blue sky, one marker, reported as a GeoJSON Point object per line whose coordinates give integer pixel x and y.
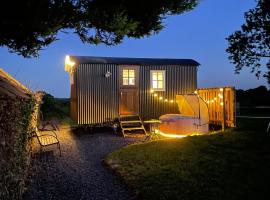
{"type": "Point", "coordinates": [199, 34]}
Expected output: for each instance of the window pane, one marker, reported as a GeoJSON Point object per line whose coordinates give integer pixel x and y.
{"type": "Point", "coordinates": [160, 84]}
{"type": "Point", "coordinates": [125, 81]}
{"type": "Point", "coordinates": [154, 76]}
{"type": "Point", "coordinates": [155, 84]}
{"type": "Point", "coordinates": [125, 73]}
{"type": "Point", "coordinates": [131, 81]}
{"type": "Point", "coordinates": [160, 76]}
{"type": "Point", "coordinates": [131, 73]}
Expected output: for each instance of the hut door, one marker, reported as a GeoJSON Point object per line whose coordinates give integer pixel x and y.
{"type": "Point", "coordinates": [129, 90]}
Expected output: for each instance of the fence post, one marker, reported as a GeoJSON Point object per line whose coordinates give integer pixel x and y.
{"type": "Point", "coordinates": [223, 111]}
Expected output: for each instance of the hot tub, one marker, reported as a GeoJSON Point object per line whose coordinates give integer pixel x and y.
{"type": "Point", "coordinates": [181, 125]}
{"type": "Point", "coordinates": [193, 119]}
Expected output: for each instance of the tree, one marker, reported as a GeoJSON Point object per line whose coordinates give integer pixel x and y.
{"type": "Point", "coordinates": [27, 26]}
{"type": "Point", "coordinates": [250, 46]}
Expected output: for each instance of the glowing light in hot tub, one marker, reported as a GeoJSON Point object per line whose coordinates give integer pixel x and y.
{"type": "Point", "coordinates": [160, 98]}
{"type": "Point", "coordinates": [171, 101]}
{"type": "Point", "coordinates": [170, 135]}
{"type": "Point", "coordinates": [166, 100]}
{"type": "Point", "coordinates": [155, 95]}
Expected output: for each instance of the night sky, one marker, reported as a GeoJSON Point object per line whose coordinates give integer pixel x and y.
{"type": "Point", "coordinates": [199, 34]}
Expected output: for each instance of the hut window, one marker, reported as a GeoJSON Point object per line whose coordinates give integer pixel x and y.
{"type": "Point", "coordinates": [128, 77]}
{"type": "Point", "coordinates": [157, 80]}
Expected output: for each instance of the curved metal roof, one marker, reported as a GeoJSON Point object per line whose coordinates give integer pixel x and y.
{"type": "Point", "coordinates": [133, 61]}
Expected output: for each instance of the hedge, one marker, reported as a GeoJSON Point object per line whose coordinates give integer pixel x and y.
{"type": "Point", "coordinates": [16, 125]}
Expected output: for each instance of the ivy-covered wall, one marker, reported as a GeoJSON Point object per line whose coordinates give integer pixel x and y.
{"type": "Point", "coordinates": [16, 124]}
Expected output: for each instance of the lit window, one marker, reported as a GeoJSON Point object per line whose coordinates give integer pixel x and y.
{"type": "Point", "coordinates": [128, 77]}
{"type": "Point", "coordinates": [158, 80]}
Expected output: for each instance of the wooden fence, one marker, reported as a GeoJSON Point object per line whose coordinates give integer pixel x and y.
{"type": "Point", "coordinates": [222, 105]}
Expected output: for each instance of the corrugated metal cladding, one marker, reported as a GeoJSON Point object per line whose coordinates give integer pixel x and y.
{"type": "Point", "coordinates": [179, 80]}
{"type": "Point", "coordinates": [98, 97]}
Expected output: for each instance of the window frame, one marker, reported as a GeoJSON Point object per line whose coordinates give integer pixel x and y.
{"type": "Point", "coordinates": [129, 77]}
{"type": "Point", "coordinates": [164, 80]}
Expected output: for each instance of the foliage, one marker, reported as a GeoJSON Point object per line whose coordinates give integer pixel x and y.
{"type": "Point", "coordinates": [259, 96]}
{"type": "Point", "coordinates": [55, 109]}
{"type": "Point", "coordinates": [230, 165]}
{"type": "Point", "coordinates": [15, 127]}
{"type": "Point", "coordinates": [31, 25]}
{"type": "Point", "coordinates": [48, 103]}
{"type": "Point", "coordinates": [250, 46]}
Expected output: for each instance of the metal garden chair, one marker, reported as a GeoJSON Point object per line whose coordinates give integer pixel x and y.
{"type": "Point", "coordinates": [47, 138]}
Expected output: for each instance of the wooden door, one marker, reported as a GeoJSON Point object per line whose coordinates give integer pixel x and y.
{"type": "Point", "coordinates": [129, 90]}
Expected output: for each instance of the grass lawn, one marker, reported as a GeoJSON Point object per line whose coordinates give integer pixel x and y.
{"type": "Point", "coordinates": [231, 165]}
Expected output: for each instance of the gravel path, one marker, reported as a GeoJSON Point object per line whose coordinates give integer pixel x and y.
{"type": "Point", "coordinates": [79, 173]}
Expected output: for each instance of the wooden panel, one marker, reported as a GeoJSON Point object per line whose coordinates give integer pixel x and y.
{"type": "Point", "coordinates": [129, 95]}
{"type": "Point", "coordinates": [221, 104]}
{"type": "Point", "coordinates": [129, 102]}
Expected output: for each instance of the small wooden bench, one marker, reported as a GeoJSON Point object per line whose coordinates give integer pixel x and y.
{"type": "Point", "coordinates": [47, 138]}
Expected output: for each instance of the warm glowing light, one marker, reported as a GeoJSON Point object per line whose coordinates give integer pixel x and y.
{"type": "Point", "coordinates": [212, 101]}
{"type": "Point", "coordinates": [195, 92]}
{"type": "Point", "coordinates": [155, 95]}
{"type": "Point", "coordinates": [220, 96]}
{"type": "Point", "coordinates": [170, 135]}
{"type": "Point", "coordinates": [151, 91]}
{"type": "Point", "coordinates": [208, 102]}
{"type": "Point", "coordinates": [221, 89]}
{"type": "Point", "coordinates": [221, 104]}
{"type": "Point", "coordinates": [69, 64]}
{"type": "Point", "coordinates": [166, 100]}
{"type": "Point", "coordinates": [171, 101]}
{"type": "Point", "coordinates": [160, 98]}
{"type": "Point", "coordinates": [215, 98]}
{"type": "Point", "coordinates": [156, 131]}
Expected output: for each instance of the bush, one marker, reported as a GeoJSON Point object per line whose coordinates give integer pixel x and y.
{"type": "Point", "coordinates": [15, 128]}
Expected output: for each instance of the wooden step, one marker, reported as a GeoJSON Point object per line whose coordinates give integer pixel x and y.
{"type": "Point", "coordinates": [130, 122]}
{"type": "Point", "coordinates": [133, 128]}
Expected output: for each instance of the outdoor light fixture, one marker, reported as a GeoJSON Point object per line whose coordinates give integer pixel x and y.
{"type": "Point", "coordinates": [108, 74]}
{"type": "Point", "coordinates": [69, 64]}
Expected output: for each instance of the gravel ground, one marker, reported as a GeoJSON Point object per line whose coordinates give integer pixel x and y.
{"type": "Point", "coordinates": [79, 173]}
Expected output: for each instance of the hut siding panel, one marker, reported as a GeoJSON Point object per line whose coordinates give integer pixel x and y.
{"type": "Point", "coordinates": [73, 98]}
{"type": "Point", "coordinates": [179, 80]}
{"type": "Point", "coordinates": [98, 96]}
